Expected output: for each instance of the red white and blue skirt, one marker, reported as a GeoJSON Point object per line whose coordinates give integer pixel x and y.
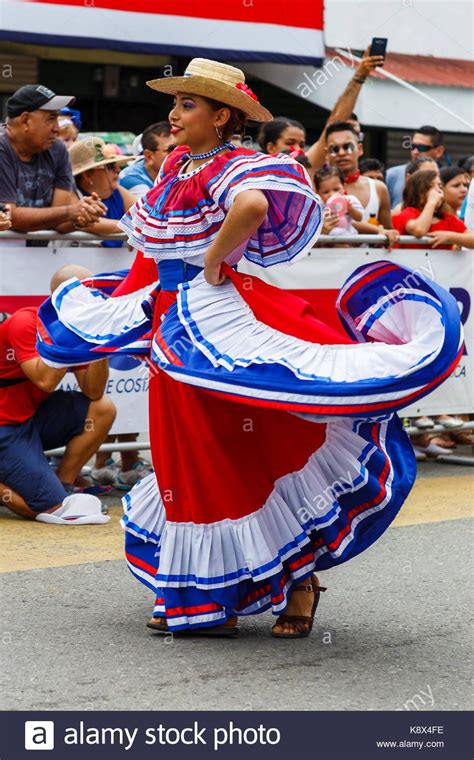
{"type": "Point", "coordinates": [275, 440]}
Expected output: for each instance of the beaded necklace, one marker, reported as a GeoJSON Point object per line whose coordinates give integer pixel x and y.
{"type": "Point", "coordinates": [210, 153]}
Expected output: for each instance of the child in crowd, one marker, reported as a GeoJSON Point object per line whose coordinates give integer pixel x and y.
{"type": "Point", "coordinates": [420, 164]}
{"type": "Point", "coordinates": [372, 167]}
{"type": "Point", "coordinates": [339, 207]}
{"type": "Point", "coordinates": [425, 212]}
{"type": "Point", "coordinates": [455, 186]}
{"type": "Point", "coordinates": [67, 131]}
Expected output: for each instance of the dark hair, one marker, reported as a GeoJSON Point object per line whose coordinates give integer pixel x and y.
{"type": "Point", "coordinates": [414, 165]}
{"type": "Point", "coordinates": [447, 173]}
{"type": "Point", "coordinates": [417, 188]}
{"type": "Point", "coordinates": [466, 163]}
{"type": "Point", "coordinates": [326, 173]}
{"type": "Point", "coordinates": [272, 130]}
{"type": "Point", "coordinates": [159, 129]}
{"type": "Point", "coordinates": [340, 126]}
{"type": "Point", "coordinates": [237, 119]}
{"type": "Point", "coordinates": [432, 132]}
{"type": "Point", "coordinates": [371, 165]}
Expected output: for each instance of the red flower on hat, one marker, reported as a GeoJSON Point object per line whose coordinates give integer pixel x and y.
{"type": "Point", "coordinates": [245, 88]}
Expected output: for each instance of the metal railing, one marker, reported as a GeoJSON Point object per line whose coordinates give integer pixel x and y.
{"type": "Point", "coordinates": [47, 235]}
{"type": "Point", "coordinates": [84, 237]}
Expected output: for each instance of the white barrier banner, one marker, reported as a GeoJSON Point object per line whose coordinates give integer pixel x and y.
{"type": "Point", "coordinates": [25, 274]}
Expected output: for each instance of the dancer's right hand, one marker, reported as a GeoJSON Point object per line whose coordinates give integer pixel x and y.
{"type": "Point", "coordinates": [213, 273]}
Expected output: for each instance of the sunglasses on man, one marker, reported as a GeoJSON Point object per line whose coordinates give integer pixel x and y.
{"type": "Point", "coordinates": [421, 148]}
{"type": "Point", "coordinates": [348, 147]}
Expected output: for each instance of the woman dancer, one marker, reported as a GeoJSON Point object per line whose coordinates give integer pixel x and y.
{"type": "Point", "coordinates": [274, 443]}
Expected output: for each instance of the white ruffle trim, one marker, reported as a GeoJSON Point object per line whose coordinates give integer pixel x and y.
{"type": "Point", "coordinates": [144, 513]}
{"type": "Point", "coordinates": [222, 326]}
{"type": "Point", "coordinates": [157, 237]}
{"type": "Point", "coordinates": [93, 316]}
{"type": "Point", "coordinates": [222, 553]}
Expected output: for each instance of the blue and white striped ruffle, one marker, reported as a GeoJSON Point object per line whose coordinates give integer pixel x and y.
{"type": "Point", "coordinates": [411, 338]}
{"type": "Point", "coordinates": [409, 331]}
{"type": "Point", "coordinates": [80, 323]}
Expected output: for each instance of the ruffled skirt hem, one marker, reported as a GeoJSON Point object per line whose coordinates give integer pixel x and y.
{"type": "Point", "coordinates": [332, 509]}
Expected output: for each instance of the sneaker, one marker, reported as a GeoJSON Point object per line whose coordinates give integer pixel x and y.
{"type": "Point", "coordinates": [129, 478]}
{"type": "Point", "coordinates": [107, 475]}
{"type": "Point", "coordinates": [432, 450]}
{"type": "Point", "coordinates": [424, 423]}
{"type": "Point", "coordinates": [450, 423]}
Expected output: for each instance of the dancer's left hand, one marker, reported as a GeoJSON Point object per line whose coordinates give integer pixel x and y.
{"type": "Point", "coordinates": [213, 273]}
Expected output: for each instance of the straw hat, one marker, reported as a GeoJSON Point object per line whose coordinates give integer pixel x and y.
{"type": "Point", "coordinates": [91, 153]}
{"type": "Point", "coordinates": [218, 81]}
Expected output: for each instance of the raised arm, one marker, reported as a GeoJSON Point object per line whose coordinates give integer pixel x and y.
{"type": "Point", "coordinates": [344, 106]}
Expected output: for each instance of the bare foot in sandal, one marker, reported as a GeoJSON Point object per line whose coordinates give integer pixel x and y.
{"type": "Point", "coordinates": [297, 620]}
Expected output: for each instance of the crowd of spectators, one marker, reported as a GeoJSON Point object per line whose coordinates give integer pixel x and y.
{"type": "Point", "coordinates": [52, 178]}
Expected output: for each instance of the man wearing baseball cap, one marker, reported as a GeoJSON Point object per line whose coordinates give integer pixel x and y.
{"type": "Point", "coordinates": [36, 178]}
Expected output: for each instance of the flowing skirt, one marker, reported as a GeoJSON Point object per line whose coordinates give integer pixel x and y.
{"type": "Point", "coordinates": [275, 440]}
{"type": "Point", "coordinates": [275, 445]}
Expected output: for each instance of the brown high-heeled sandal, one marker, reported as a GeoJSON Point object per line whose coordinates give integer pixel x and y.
{"type": "Point", "coordinates": [158, 624]}
{"type": "Point", "coordinates": [302, 623]}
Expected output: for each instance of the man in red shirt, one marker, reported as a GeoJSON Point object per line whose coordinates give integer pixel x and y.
{"type": "Point", "coordinates": [35, 417]}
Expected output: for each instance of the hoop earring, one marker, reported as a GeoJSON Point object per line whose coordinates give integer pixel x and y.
{"type": "Point", "coordinates": [219, 133]}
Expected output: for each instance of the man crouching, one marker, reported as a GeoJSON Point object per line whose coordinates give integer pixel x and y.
{"type": "Point", "coordinates": [35, 417]}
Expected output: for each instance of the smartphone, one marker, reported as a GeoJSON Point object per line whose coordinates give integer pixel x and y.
{"type": "Point", "coordinates": [378, 46]}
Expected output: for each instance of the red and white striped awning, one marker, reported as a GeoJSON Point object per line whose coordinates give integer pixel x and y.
{"type": "Point", "coordinates": [239, 30]}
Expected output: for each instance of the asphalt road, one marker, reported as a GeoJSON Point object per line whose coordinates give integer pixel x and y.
{"type": "Point", "coordinates": [392, 631]}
